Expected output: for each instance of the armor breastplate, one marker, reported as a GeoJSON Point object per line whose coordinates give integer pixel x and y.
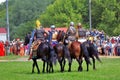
{"type": "Point", "coordinates": [72, 31]}
{"type": "Point", "coordinates": [40, 33]}
{"type": "Point", "coordinates": [54, 35]}
{"type": "Point", "coordinates": [81, 33]}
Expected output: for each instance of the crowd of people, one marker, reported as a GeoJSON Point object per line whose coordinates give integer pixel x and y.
{"type": "Point", "coordinates": [105, 45]}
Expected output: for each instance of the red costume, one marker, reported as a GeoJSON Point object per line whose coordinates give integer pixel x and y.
{"type": "Point", "coordinates": [2, 49]}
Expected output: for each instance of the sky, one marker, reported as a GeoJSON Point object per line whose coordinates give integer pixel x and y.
{"type": "Point", "coordinates": [2, 1]}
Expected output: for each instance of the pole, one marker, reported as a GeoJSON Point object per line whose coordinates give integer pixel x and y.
{"type": "Point", "coordinates": [8, 36]}
{"type": "Point", "coordinates": [90, 21]}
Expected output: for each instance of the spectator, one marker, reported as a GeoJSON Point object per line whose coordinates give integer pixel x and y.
{"type": "Point", "coordinates": [2, 49]}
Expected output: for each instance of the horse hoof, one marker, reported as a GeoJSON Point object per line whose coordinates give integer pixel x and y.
{"type": "Point", "coordinates": [61, 71]}
{"type": "Point", "coordinates": [69, 70]}
{"type": "Point", "coordinates": [32, 72]}
{"type": "Point", "coordinates": [81, 69]}
{"type": "Point", "coordinates": [52, 71]}
{"type": "Point", "coordinates": [43, 71]}
{"type": "Point", "coordinates": [87, 70]}
{"type": "Point", "coordinates": [94, 69]}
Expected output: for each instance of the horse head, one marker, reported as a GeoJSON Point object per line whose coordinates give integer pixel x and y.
{"type": "Point", "coordinates": [60, 36]}
{"type": "Point", "coordinates": [27, 39]}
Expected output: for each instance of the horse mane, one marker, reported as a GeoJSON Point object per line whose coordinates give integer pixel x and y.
{"type": "Point", "coordinates": [60, 35]}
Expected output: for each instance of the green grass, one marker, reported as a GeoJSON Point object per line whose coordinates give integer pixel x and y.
{"type": "Point", "coordinates": [10, 57]}
{"type": "Point", "coordinates": [108, 70]}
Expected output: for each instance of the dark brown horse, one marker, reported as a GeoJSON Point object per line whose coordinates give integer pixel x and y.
{"type": "Point", "coordinates": [92, 51]}
{"type": "Point", "coordinates": [46, 54]}
{"type": "Point", "coordinates": [62, 51]}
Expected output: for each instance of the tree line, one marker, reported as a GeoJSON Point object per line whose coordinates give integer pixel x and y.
{"type": "Point", "coordinates": [23, 14]}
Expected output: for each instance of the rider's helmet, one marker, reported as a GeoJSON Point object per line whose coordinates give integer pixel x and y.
{"type": "Point", "coordinates": [79, 25]}
{"type": "Point", "coordinates": [52, 26]}
{"type": "Point", "coordinates": [71, 23]}
{"type": "Point", "coordinates": [38, 24]}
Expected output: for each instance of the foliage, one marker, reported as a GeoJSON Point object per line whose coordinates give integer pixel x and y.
{"type": "Point", "coordinates": [21, 13]}
{"type": "Point", "coordinates": [62, 12]}
{"type": "Point", "coordinates": [105, 14]}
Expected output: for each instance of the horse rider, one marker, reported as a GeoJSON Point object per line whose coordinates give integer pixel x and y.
{"type": "Point", "coordinates": [81, 33]}
{"type": "Point", "coordinates": [53, 36]}
{"type": "Point", "coordinates": [38, 38]}
{"type": "Point", "coordinates": [71, 33]}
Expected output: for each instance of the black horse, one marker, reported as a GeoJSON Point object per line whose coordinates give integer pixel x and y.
{"type": "Point", "coordinates": [44, 52]}
{"type": "Point", "coordinates": [92, 52]}
{"type": "Point", "coordinates": [62, 51]}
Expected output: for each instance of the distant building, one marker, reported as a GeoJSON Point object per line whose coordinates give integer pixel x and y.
{"type": "Point", "coordinates": [3, 34]}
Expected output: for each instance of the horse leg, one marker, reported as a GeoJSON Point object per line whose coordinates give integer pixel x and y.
{"type": "Point", "coordinates": [70, 63]}
{"type": "Point", "coordinates": [79, 62]}
{"type": "Point", "coordinates": [44, 67]}
{"type": "Point", "coordinates": [51, 67]}
{"type": "Point", "coordinates": [87, 63]}
{"type": "Point", "coordinates": [47, 68]}
{"type": "Point", "coordinates": [93, 62]}
{"type": "Point", "coordinates": [37, 66]}
{"type": "Point", "coordinates": [33, 66]}
{"type": "Point", "coordinates": [60, 62]}
{"type": "Point", "coordinates": [63, 64]}
{"type": "Point", "coordinates": [81, 65]}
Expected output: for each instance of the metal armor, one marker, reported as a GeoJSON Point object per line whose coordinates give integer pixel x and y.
{"type": "Point", "coordinates": [71, 33]}
{"type": "Point", "coordinates": [40, 34]}
{"type": "Point", "coordinates": [54, 35]}
{"type": "Point", "coordinates": [81, 33]}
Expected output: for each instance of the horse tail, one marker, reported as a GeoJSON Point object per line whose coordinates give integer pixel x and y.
{"type": "Point", "coordinates": [96, 53]}
{"type": "Point", "coordinates": [85, 53]}
{"type": "Point", "coordinates": [97, 57]}
{"type": "Point", "coordinates": [67, 53]}
{"type": "Point", "coordinates": [53, 55]}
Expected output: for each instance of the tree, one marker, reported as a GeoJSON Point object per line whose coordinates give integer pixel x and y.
{"type": "Point", "coordinates": [62, 12]}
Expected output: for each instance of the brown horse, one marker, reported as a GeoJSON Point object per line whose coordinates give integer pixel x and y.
{"type": "Point", "coordinates": [75, 53]}
{"type": "Point", "coordinates": [62, 51]}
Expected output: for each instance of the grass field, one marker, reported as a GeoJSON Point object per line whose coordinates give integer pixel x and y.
{"type": "Point", "coordinates": [17, 70]}
{"type": "Point", "coordinates": [10, 57]}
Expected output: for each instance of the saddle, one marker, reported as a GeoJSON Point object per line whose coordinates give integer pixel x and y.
{"type": "Point", "coordinates": [34, 49]}
{"type": "Point", "coordinates": [35, 45]}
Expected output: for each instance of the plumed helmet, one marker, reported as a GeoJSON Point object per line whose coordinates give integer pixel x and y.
{"type": "Point", "coordinates": [52, 26]}
{"type": "Point", "coordinates": [38, 24]}
{"type": "Point", "coordinates": [71, 23]}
